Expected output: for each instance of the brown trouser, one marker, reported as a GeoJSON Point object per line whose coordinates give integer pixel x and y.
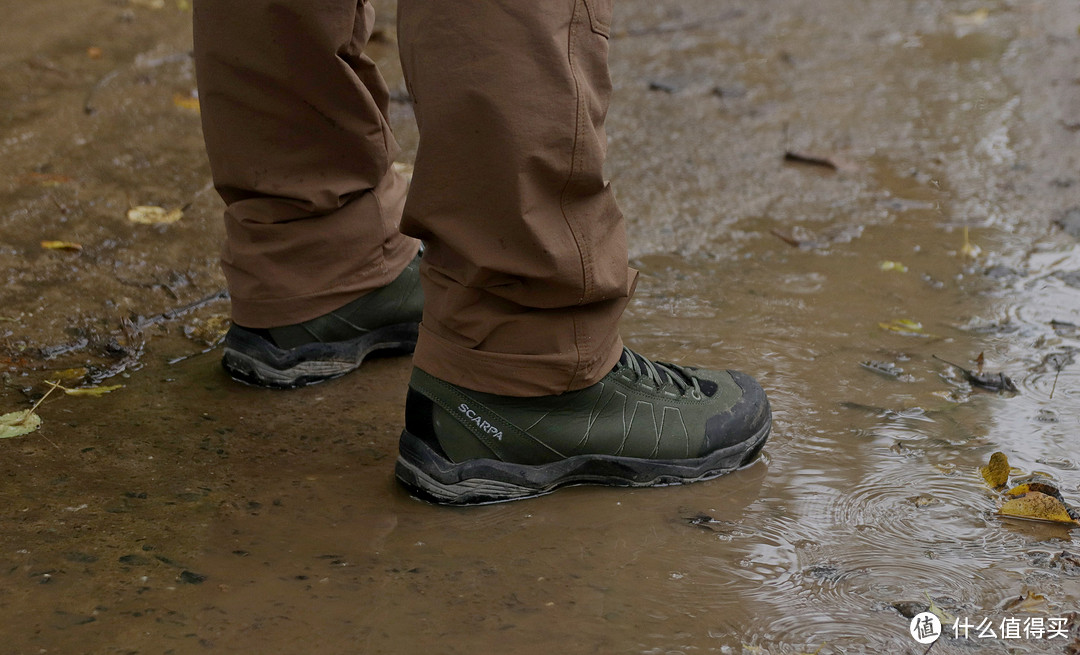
{"type": "Point", "coordinates": [525, 274]}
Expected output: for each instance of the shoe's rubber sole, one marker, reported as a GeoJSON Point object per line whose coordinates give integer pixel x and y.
{"type": "Point", "coordinates": [250, 358]}
{"type": "Point", "coordinates": [430, 476]}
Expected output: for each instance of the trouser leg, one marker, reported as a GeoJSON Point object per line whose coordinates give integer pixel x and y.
{"type": "Point", "coordinates": [295, 123]}
{"type": "Point", "coordinates": [526, 275]}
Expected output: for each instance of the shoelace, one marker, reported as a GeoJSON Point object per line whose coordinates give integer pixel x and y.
{"type": "Point", "coordinates": [661, 374]}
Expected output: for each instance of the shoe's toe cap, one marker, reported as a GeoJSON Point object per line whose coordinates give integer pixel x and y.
{"type": "Point", "coordinates": [744, 422]}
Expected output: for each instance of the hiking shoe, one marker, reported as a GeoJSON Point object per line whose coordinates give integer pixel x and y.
{"type": "Point", "coordinates": [333, 344]}
{"type": "Point", "coordinates": [644, 424]}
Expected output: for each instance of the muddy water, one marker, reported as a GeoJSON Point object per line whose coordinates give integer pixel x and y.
{"type": "Point", "coordinates": [186, 513]}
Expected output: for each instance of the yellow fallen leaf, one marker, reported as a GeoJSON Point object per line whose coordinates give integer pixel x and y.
{"type": "Point", "coordinates": [1037, 506]}
{"type": "Point", "coordinates": [210, 331]}
{"type": "Point", "coordinates": [94, 52]}
{"type": "Point", "coordinates": [185, 102]}
{"type": "Point", "coordinates": [996, 472]}
{"type": "Point", "coordinates": [905, 327]}
{"type": "Point", "coordinates": [942, 615]}
{"type": "Point", "coordinates": [1029, 603]}
{"type": "Point", "coordinates": [892, 266]}
{"type": "Point", "coordinates": [93, 391]}
{"type": "Point", "coordinates": [16, 424]}
{"type": "Point", "coordinates": [61, 245]}
{"type": "Point", "coordinates": [72, 373]}
{"type": "Point", "coordinates": [150, 215]}
{"type": "Point", "coordinates": [1027, 487]}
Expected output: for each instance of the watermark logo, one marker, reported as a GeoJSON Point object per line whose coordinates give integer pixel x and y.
{"type": "Point", "coordinates": [1032, 627]}
{"type": "Point", "coordinates": [925, 628]}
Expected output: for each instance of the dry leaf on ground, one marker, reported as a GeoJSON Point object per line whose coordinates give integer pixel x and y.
{"type": "Point", "coordinates": [93, 391]}
{"type": "Point", "coordinates": [1041, 487]}
{"type": "Point", "coordinates": [16, 424]}
{"type": "Point", "coordinates": [905, 327]}
{"type": "Point", "coordinates": [185, 101]}
{"type": "Point", "coordinates": [1038, 506]}
{"type": "Point", "coordinates": [61, 245]}
{"type": "Point", "coordinates": [209, 331]}
{"type": "Point", "coordinates": [996, 473]}
{"type": "Point", "coordinates": [1029, 603]}
{"type": "Point", "coordinates": [150, 215]}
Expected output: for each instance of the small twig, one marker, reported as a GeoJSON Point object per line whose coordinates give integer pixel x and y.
{"type": "Point", "coordinates": [791, 241]}
{"type": "Point", "coordinates": [53, 387]}
{"type": "Point", "coordinates": [183, 358]}
{"type": "Point", "coordinates": [1054, 387]}
{"type": "Point", "coordinates": [994, 382]}
{"type": "Point", "coordinates": [813, 160]}
{"type": "Point", "coordinates": [169, 315]}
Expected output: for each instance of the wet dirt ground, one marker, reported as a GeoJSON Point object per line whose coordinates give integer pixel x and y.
{"type": "Point", "coordinates": [185, 513]}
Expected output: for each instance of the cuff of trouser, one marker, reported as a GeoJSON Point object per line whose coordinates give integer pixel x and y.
{"type": "Point", "coordinates": [508, 374]}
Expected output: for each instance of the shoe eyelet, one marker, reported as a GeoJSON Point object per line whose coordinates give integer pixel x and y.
{"type": "Point", "coordinates": [695, 394]}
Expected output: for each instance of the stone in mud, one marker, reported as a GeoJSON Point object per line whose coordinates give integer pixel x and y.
{"type": "Point", "coordinates": [909, 609]}
{"type": "Point", "coordinates": [1001, 272]}
{"type": "Point", "coordinates": [80, 558]}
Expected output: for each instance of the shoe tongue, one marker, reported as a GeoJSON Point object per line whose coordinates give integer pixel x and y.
{"type": "Point", "coordinates": [665, 371]}
{"type": "Point", "coordinates": [644, 365]}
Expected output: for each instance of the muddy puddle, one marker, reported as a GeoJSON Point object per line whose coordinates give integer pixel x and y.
{"type": "Point", "coordinates": [185, 513]}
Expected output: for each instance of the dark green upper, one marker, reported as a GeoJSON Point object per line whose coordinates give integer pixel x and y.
{"type": "Point", "coordinates": [401, 301]}
{"type": "Point", "coordinates": [640, 409]}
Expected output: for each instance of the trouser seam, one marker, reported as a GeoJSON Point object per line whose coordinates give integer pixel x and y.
{"type": "Point", "coordinates": [583, 251]}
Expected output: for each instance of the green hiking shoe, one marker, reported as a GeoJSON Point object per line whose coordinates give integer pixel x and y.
{"type": "Point", "coordinates": [644, 424]}
{"type": "Point", "coordinates": [330, 345]}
